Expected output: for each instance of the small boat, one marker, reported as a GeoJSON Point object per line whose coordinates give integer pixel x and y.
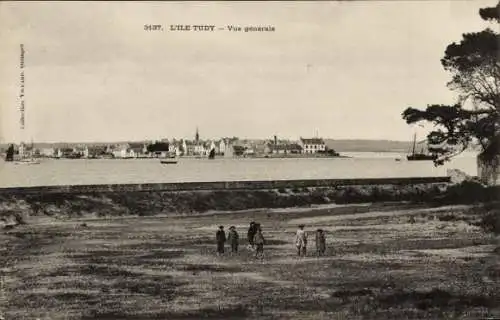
{"type": "Point", "coordinates": [27, 162]}
{"type": "Point", "coordinates": [421, 157]}
{"type": "Point", "coordinates": [168, 161]}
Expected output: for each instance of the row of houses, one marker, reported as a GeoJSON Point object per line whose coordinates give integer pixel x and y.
{"type": "Point", "coordinates": [303, 146]}
{"type": "Point", "coordinates": [182, 147]}
{"type": "Point", "coordinates": [129, 150]}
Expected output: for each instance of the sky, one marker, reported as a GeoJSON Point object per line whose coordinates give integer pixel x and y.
{"type": "Point", "coordinates": [339, 69]}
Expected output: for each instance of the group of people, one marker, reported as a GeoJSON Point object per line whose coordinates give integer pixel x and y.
{"type": "Point", "coordinates": [301, 242]}
{"type": "Point", "coordinates": [254, 237]}
{"type": "Point", "coordinates": [256, 240]}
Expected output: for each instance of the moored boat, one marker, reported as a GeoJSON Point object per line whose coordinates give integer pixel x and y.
{"type": "Point", "coordinates": [27, 161]}
{"type": "Point", "coordinates": [168, 161]}
{"type": "Point", "coordinates": [212, 154]}
{"type": "Point", "coordinates": [9, 156]}
{"type": "Point", "coordinates": [421, 156]}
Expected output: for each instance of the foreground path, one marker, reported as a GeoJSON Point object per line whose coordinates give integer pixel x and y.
{"type": "Point", "coordinates": [378, 266]}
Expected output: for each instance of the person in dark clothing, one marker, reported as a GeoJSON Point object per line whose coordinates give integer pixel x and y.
{"type": "Point", "coordinates": [233, 239]}
{"type": "Point", "coordinates": [220, 237]}
{"type": "Point", "coordinates": [251, 233]}
{"type": "Point", "coordinates": [320, 242]}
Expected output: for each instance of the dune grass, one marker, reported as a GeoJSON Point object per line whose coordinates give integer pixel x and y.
{"type": "Point", "coordinates": [378, 266]}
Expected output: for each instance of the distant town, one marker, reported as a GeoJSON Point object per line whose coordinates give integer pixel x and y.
{"type": "Point", "coordinates": [168, 148]}
{"type": "Point", "coordinates": [273, 147]}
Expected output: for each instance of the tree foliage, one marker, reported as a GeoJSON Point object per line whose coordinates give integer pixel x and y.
{"type": "Point", "coordinates": [490, 13]}
{"type": "Point", "coordinates": [238, 150]}
{"type": "Point", "coordinates": [157, 147]}
{"type": "Point", "coordinates": [475, 69]}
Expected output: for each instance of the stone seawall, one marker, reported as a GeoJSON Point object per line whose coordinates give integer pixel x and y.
{"type": "Point", "coordinates": [18, 204]}
{"type": "Point", "coordinates": [221, 185]}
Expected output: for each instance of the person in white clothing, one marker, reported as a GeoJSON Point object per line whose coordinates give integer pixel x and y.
{"type": "Point", "coordinates": [301, 241]}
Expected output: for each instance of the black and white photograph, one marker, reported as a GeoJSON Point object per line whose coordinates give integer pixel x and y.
{"type": "Point", "coordinates": [249, 160]}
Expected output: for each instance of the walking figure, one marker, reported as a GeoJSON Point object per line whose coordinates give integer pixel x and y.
{"type": "Point", "coordinates": [301, 241]}
{"type": "Point", "coordinates": [320, 242]}
{"type": "Point", "coordinates": [259, 242]}
{"type": "Point", "coordinates": [220, 237]}
{"type": "Point", "coordinates": [233, 239]}
{"type": "Point", "coordinates": [251, 234]}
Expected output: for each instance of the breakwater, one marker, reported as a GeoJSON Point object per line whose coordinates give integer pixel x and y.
{"type": "Point", "coordinates": [17, 204]}
{"type": "Point", "coordinates": [192, 198]}
{"type": "Point", "coordinates": [222, 185]}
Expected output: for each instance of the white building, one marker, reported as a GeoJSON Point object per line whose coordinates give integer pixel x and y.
{"type": "Point", "coordinates": [313, 145]}
{"type": "Point", "coordinates": [212, 147]}
{"type": "Point", "coordinates": [199, 149]}
{"type": "Point", "coordinates": [136, 149]}
{"type": "Point", "coordinates": [47, 152]}
{"type": "Point", "coordinates": [228, 152]}
{"type": "Point", "coordinates": [22, 150]}
{"type": "Point", "coordinates": [222, 147]}
{"type": "Point", "coordinates": [172, 148]}
{"type": "Point", "coordinates": [86, 152]}
{"type": "Point", "coordinates": [121, 151]}
{"type": "Point", "coordinates": [184, 147]}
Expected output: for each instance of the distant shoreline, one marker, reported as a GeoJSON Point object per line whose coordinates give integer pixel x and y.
{"type": "Point", "coordinates": [271, 157]}
{"type": "Point", "coordinates": [298, 156]}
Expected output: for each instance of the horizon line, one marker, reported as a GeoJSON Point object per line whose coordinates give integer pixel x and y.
{"type": "Point", "coordinates": [189, 139]}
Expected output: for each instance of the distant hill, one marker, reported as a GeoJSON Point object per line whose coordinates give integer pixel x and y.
{"type": "Point", "coordinates": [368, 145]}
{"type": "Point", "coordinates": [345, 145]}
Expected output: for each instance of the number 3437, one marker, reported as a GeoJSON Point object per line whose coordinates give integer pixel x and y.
{"type": "Point", "coordinates": [153, 27]}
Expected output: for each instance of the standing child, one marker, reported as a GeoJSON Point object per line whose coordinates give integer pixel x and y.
{"type": "Point", "coordinates": [220, 237]}
{"type": "Point", "coordinates": [251, 235]}
{"type": "Point", "coordinates": [301, 241]}
{"type": "Point", "coordinates": [233, 239]}
{"type": "Point", "coordinates": [259, 242]}
{"type": "Point", "coordinates": [320, 242]}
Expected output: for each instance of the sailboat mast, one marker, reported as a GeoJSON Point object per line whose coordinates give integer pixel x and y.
{"type": "Point", "coordinates": [414, 143]}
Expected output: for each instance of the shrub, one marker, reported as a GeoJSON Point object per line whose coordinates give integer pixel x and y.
{"type": "Point", "coordinates": [296, 190]}
{"type": "Point", "coordinates": [467, 192]}
{"type": "Point", "coordinates": [491, 221]}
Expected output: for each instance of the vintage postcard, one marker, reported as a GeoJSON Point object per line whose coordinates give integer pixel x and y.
{"type": "Point", "coordinates": [249, 160]}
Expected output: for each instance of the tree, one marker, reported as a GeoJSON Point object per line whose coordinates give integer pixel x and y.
{"type": "Point", "coordinates": [157, 147]}
{"type": "Point", "coordinates": [474, 118]}
{"type": "Point", "coordinates": [238, 150]}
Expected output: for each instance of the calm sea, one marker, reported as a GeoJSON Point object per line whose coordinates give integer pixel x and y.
{"type": "Point", "coordinates": [361, 165]}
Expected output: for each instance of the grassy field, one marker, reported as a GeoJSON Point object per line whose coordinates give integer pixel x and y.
{"type": "Point", "coordinates": [378, 266]}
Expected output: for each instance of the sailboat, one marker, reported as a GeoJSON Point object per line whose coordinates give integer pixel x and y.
{"type": "Point", "coordinates": [9, 156]}
{"type": "Point", "coordinates": [212, 154]}
{"type": "Point", "coordinates": [171, 159]}
{"type": "Point", "coordinates": [421, 156]}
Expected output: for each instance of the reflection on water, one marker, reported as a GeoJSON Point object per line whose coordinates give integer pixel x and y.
{"type": "Point", "coordinates": [362, 165]}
